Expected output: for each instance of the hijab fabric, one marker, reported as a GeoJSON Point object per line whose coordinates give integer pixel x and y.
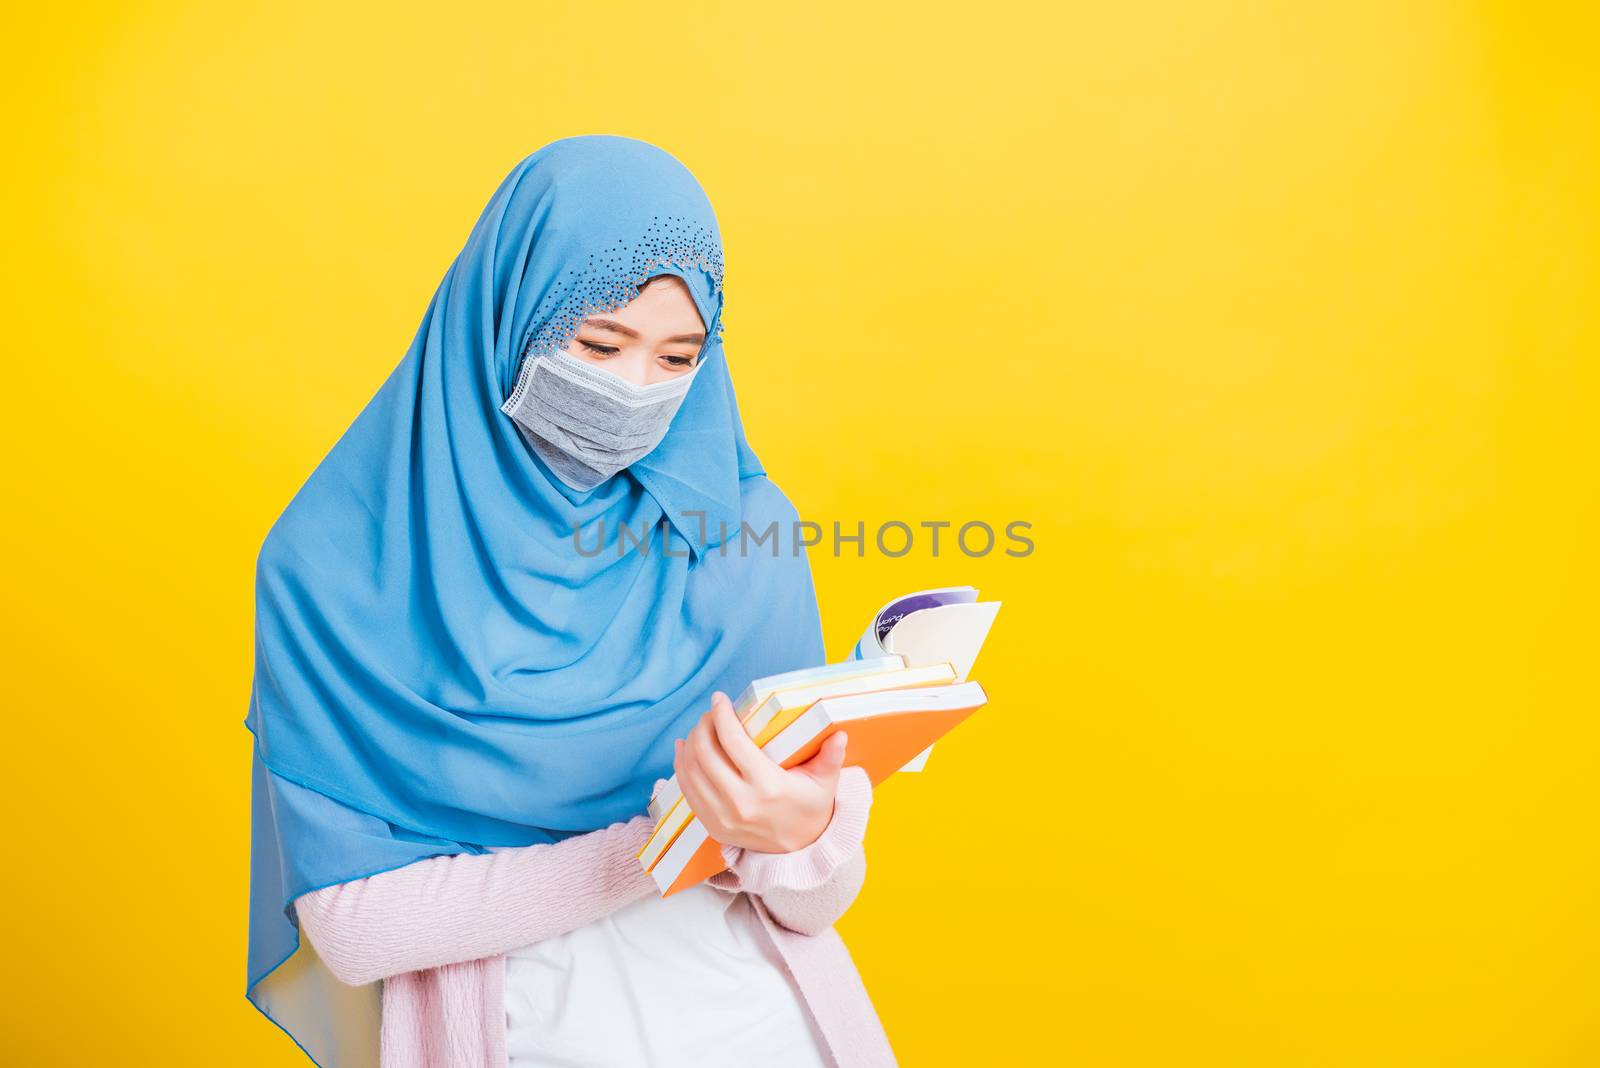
{"type": "Point", "coordinates": [440, 664]}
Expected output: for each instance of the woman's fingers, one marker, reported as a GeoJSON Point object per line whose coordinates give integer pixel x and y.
{"type": "Point", "coordinates": [711, 773]}
{"type": "Point", "coordinates": [719, 773]}
{"type": "Point", "coordinates": [702, 801]}
{"type": "Point", "coordinates": [720, 769]}
{"type": "Point", "coordinates": [740, 749]}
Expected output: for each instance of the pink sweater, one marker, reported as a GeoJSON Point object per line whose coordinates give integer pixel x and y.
{"type": "Point", "coordinates": [436, 931]}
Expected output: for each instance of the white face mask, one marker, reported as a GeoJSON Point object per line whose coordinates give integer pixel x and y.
{"type": "Point", "coordinates": [588, 423]}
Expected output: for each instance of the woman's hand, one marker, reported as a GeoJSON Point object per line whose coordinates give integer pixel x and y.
{"type": "Point", "coordinates": [743, 796]}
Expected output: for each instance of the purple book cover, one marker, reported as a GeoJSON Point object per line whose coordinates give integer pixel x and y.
{"type": "Point", "coordinates": [916, 602]}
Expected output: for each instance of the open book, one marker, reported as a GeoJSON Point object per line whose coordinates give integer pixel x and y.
{"type": "Point", "coordinates": [934, 626]}
{"type": "Point", "coordinates": [893, 706]}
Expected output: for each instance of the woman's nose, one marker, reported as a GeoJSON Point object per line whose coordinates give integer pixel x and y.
{"type": "Point", "coordinates": [636, 370]}
{"type": "Point", "coordinates": [636, 367]}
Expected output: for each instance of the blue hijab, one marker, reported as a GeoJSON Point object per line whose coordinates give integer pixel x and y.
{"type": "Point", "coordinates": [440, 665]}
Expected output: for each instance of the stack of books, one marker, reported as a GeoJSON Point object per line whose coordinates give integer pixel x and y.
{"type": "Point", "coordinates": [904, 687]}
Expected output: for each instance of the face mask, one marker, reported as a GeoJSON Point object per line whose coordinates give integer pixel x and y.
{"type": "Point", "coordinates": [587, 423]}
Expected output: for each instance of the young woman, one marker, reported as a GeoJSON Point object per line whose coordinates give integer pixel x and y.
{"type": "Point", "coordinates": [508, 604]}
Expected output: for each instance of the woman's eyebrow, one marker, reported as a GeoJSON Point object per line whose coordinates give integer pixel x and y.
{"type": "Point", "coordinates": [616, 327]}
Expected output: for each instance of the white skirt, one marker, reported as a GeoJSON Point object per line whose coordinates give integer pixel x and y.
{"type": "Point", "coordinates": [687, 981]}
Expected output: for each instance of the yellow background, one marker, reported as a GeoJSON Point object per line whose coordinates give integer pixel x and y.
{"type": "Point", "coordinates": [1277, 322]}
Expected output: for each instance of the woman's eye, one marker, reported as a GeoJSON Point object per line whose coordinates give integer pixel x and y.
{"type": "Point", "coordinates": [679, 361]}
{"type": "Point", "coordinates": [599, 350]}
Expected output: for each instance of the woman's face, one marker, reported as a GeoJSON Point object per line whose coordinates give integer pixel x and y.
{"type": "Point", "coordinates": [654, 337]}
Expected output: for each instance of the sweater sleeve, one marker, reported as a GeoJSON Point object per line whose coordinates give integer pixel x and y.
{"type": "Point", "coordinates": [808, 889]}
{"type": "Point", "coordinates": [447, 909]}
